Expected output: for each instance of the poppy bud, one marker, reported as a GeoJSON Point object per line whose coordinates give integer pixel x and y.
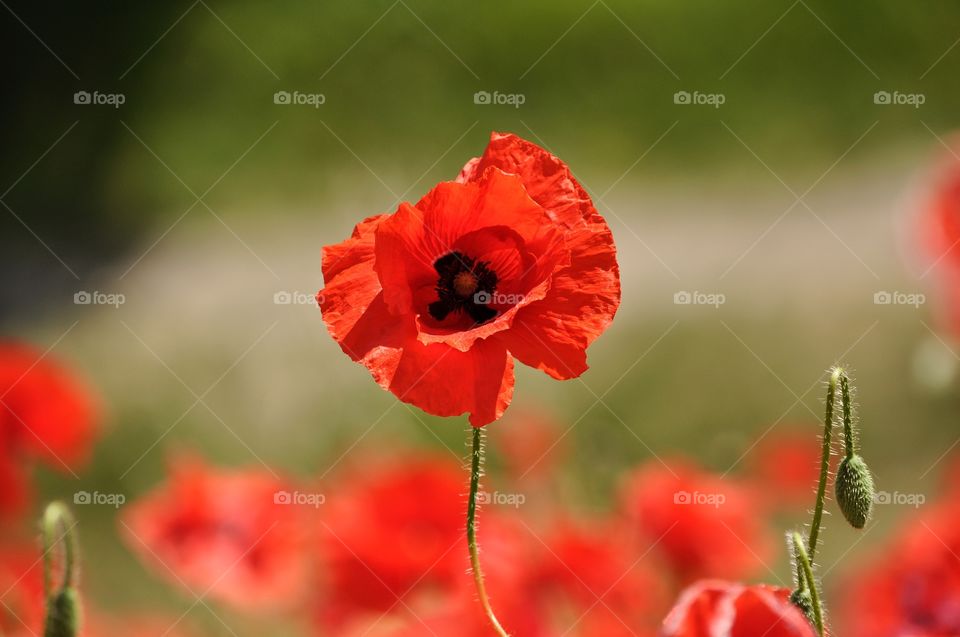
{"type": "Point", "coordinates": [854, 489]}
{"type": "Point", "coordinates": [63, 614]}
{"type": "Point", "coordinates": [802, 600]}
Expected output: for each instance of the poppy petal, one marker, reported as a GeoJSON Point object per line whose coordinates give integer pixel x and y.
{"type": "Point", "coordinates": [553, 334]}
{"type": "Point", "coordinates": [444, 381]}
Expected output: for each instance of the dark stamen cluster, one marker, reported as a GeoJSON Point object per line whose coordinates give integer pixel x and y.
{"type": "Point", "coordinates": [463, 285]}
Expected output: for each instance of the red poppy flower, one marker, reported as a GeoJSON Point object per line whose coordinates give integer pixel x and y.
{"type": "Point", "coordinates": [787, 466]}
{"type": "Point", "coordinates": [17, 491]}
{"type": "Point", "coordinates": [532, 445]}
{"type": "Point", "coordinates": [511, 260]}
{"type": "Point", "coordinates": [591, 581]}
{"type": "Point", "coordinates": [46, 412]}
{"type": "Point", "coordinates": [941, 231]}
{"type": "Point", "coordinates": [392, 534]}
{"type": "Point", "coordinates": [714, 608]}
{"type": "Point", "coordinates": [235, 533]}
{"type": "Point", "coordinates": [705, 525]}
{"type": "Point", "coordinates": [21, 591]}
{"type": "Point", "coordinates": [912, 587]}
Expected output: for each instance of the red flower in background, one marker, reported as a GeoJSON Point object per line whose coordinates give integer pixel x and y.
{"type": "Point", "coordinates": [532, 445]}
{"type": "Point", "coordinates": [46, 412]}
{"type": "Point", "coordinates": [590, 581]}
{"type": "Point", "coordinates": [705, 525]}
{"type": "Point", "coordinates": [714, 608]}
{"type": "Point", "coordinates": [510, 261]}
{"type": "Point", "coordinates": [234, 533]}
{"type": "Point", "coordinates": [941, 231]}
{"type": "Point", "coordinates": [396, 533]}
{"type": "Point", "coordinates": [912, 587]}
{"type": "Point", "coordinates": [17, 491]}
{"type": "Point", "coordinates": [786, 466]}
{"type": "Point", "coordinates": [21, 592]}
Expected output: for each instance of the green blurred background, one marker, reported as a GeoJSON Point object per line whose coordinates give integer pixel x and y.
{"type": "Point", "coordinates": [200, 198]}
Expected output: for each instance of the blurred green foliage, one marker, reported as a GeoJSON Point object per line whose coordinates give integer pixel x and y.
{"type": "Point", "coordinates": [399, 77]}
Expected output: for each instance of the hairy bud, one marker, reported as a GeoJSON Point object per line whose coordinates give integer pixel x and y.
{"type": "Point", "coordinates": [854, 490]}
{"type": "Point", "coordinates": [63, 615]}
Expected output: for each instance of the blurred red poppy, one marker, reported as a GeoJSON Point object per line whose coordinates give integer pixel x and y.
{"type": "Point", "coordinates": [237, 535]}
{"type": "Point", "coordinates": [590, 581]}
{"type": "Point", "coordinates": [941, 230]}
{"type": "Point", "coordinates": [394, 534]}
{"type": "Point", "coordinates": [704, 524]}
{"type": "Point", "coordinates": [531, 445]}
{"type": "Point", "coordinates": [786, 466]}
{"type": "Point", "coordinates": [17, 491]}
{"type": "Point", "coordinates": [46, 412]}
{"type": "Point", "coordinates": [912, 586]}
{"type": "Point", "coordinates": [21, 591]}
{"type": "Point", "coordinates": [714, 608]}
{"type": "Point", "coordinates": [511, 260]}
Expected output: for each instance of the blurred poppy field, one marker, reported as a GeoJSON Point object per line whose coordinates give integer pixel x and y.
{"type": "Point", "coordinates": [678, 219]}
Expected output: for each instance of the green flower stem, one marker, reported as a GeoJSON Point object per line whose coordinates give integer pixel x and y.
{"type": "Point", "coordinates": [58, 526]}
{"type": "Point", "coordinates": [835, 376]}
{"type": "Point", "coordinates": [803, 563]}
{"type": "Point", "coordinates": [476, 470]}
{"type": "Point", "coordinates": [848, 438]}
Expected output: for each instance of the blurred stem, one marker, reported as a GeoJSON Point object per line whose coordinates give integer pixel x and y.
{"type": "Point", "coordinates": [58, 526]}
{"type": "Point", "coordinates": [803, 562]}
{"type": "Point", "coordinates": [476, 469]}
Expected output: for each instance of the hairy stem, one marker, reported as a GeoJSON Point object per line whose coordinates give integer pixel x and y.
{"type": "Point", "coordinates": [476, 468]}
{"type": "Point", "coordinates": [58, 526]}
{"type": "Point", "coordinates": [835, 377]}
{"type": "Point", "coordinates": [803, 562]}
{"type": "Point", "coordinates": [848, 439]}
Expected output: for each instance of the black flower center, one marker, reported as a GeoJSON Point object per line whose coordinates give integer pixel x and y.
{"type": "Point", "coordinates": [464, 285]}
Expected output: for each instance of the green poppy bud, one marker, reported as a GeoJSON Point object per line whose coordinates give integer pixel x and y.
{"type": "Point", "coordinates": [802, 600]}
{"type": "Point", "coordinates": [63, 614]}
{"type": "Point", "coordinates": [854, 489]}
